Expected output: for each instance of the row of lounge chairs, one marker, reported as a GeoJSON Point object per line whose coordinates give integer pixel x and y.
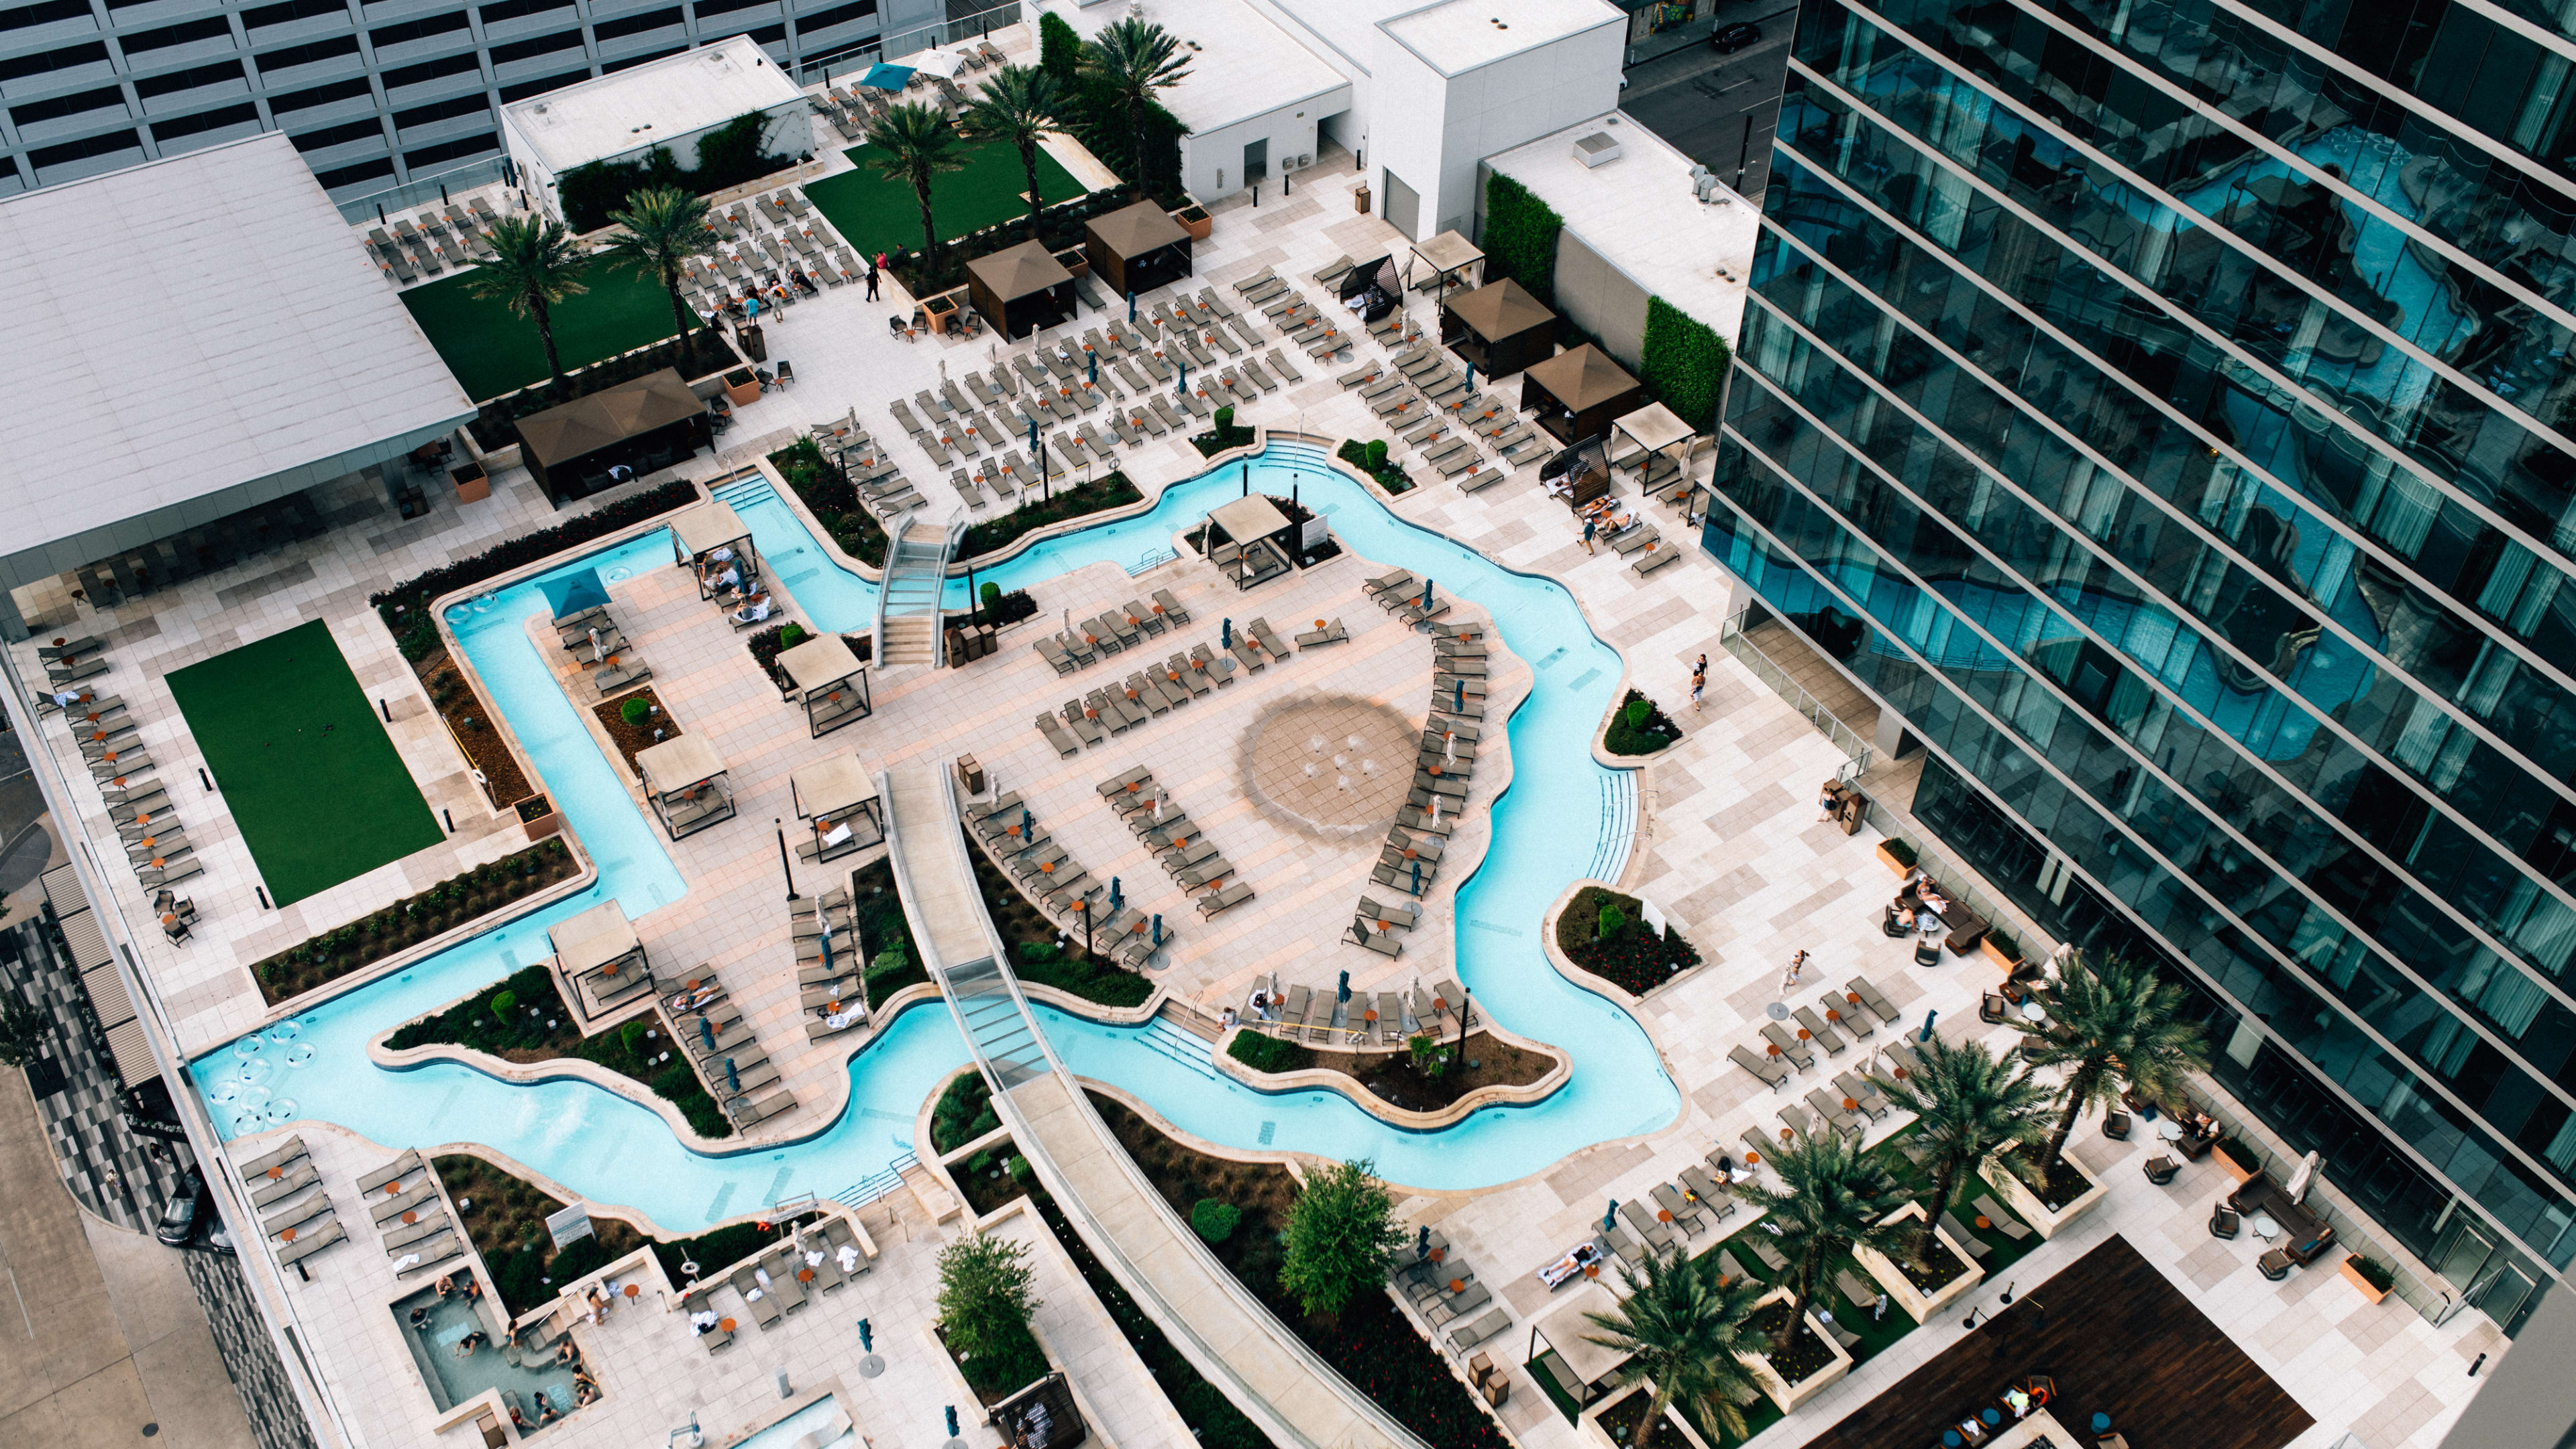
{"type": "Point", "coordinates": [831, 963]}
{"type": "Point", "coordinates": [1824, 1024]}
{"type": "Point", "coordinates": [601, 648]}
{"type": "Point", "coordinates": [1192, 860]}
{"type": "Point", "coordinates": [816, 1258]}
{"type": "Point", "coordinates": [704, 1018]}
{"type": "Point", "coordinates": [157, 848]}
{"type": "Point", "coordinates": [1118, 630]}
{"type": "Point", "coordinates": [1322, 1015]}
{"type": "Point", "coordinates": [1151, 691]}
{"type": "Point", "coordinates": [1443, 1288]}
{"type": "Point", "coordinates": [446, 236]}
{"type": "Point", "coordinates": [411, 1217]}
{"type": "Point", "coordinates": [296, 1214]}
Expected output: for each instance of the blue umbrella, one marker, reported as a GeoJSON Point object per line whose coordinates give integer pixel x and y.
{"type": "Point", "coordinates": [1117, 897]}
{"type": "Point", "coordinates": [1343, 992]}
{"type": "Point", "coordinates": [707, 1033]}
{"type": "Point", "coordinates": [1610, 1219]}
{"type": "Point", "coordinates": [574, 592]}
{"type": "Point", "coordinates": [1461, 698]}
{"type": "Point", "coordinates": [1131, 306]}
{"type": "Point", "coordinates": [1091, 361]}
{"type": "Point", "coordinates": [1024, 822]}
{"type": "Point", "coordinates": [1426, 593]}
{"type": "Point", "coordinates": [733, 1079]}
{"type": "Point", "coordinates": [1185, 376]}
{"type": "Point", "coordinates": [1225, 635]}
{"type": "Point", "coordinates": [1158, 928]}
{"type": "Point", "coordinates": [1417, 877]}
{"type": "Point", "coordinates": [887, 77]}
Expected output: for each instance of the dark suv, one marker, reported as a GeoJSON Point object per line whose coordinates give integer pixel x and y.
{"type": "Point", "coordinates": [1731, 38]}
{"type": "Point", "coordinates": [178, 1226]}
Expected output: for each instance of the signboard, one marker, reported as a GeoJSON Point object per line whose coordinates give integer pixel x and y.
{"type": "Point", "coordinates": [1653, 918]}
{"type": "Point", "coordinates": [570, 1225]}
{"type": "Point", "coordinates": [1312, 533]}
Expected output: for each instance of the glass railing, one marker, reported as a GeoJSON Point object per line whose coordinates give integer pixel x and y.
{"type": "Point", "coordinates": [817, 69]}
{"type": "Point", "coordinates": [423, 191]}
{"type": "Point", "coordinates": [1857, 751]}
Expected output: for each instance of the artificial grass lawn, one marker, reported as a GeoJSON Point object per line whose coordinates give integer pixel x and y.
{"type": "Point", "coordinates": [877, 215]}
{"type": "Point", "coordinates": [493, 350]}
{"type": "Point", "coordinates": [306, 769]}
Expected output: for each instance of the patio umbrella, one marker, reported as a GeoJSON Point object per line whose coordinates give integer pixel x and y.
{"type": "Point", "coordinates": [1426, 593]}
{"type": "Point", "coordinates": [1158, 928]}
{"type": "Point", "coordinates": [1417, 877]}
{"type": "Point", "coordinates": [884, 77]}
{"type": "Point", "coordinates": [1117, 896]}
{"type": "Point", "coordinates": [574, 592]}
{"type": "Point", "coordinates": [707, 1033]}
{"type": "Point", "coordinates": [1610, 1219]}
{"type": "Point", "coordinates": [1225, 634]}
{"type": "Point", "coordinates": [1343, 991]}
{"type": "Point", "coordinates": [1024, 822]}
{"type": "Point", "coordinates": [2302, 1179]}
{"type": "Point", "coordinates": [733, 1079]}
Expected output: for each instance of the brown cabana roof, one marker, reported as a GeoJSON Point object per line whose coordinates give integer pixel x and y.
{"type": "Point", "coordinates": [1132, 231]}
{"type": "Point", "coordinates": [1501, 309]}
{"type": "Point", "coordinates": [610, 416]}
{"type": "Point", "coordinates": [1583, 378]}
{"type": "Point", "coordinates": [1021, 271]}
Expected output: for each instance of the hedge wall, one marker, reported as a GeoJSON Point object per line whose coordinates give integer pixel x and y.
{"type": "Point", "coordinates": [727, 156]}
{"type": "Point", "coordinates": [1684, 361]}
{"type": "Point", "coordinates": [1520, 237]}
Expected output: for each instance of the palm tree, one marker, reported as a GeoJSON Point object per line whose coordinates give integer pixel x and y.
{"type": "Point", "coordinates": [1135, 60]}
{"type": "Point", "coordinates": [1681, 1326]}
{"type": "Point", "coordinates": [2112, 1026]}
{"type": "Point", "coordinates": [535, 264]}
{"type": "Point", "coordinates": [912, 142]}
{"type": "Point", "coordinates": [1967, 1104]}
{"type": "Point", "coordinates": [663, 227]}
{"type": "Point", "coordinates": [1018, 105]}
{"type": "Point", "coordinates": [1835, 1200]}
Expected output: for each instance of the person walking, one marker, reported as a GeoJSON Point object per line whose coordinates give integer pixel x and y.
{"type": "Point", "coordinates": [872, 281]}
{"type": "Point", "coordinates": [1590, 526]}
{"type": "Point", "coordinates": [1797, 969]}
{"type": "Point", "coordinates": [1699, 681]}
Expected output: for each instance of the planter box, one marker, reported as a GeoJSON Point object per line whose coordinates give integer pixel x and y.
{"type": "Point", "coordinates": [1074, 260]}
{"type": "Point", "coordinates": [473, 485]}
{"type": "Point", "coordinates": [1887, 857]}
{"type": "Point", "coordinates": [1599, 1438]}
{"type": "Point", "coordinates": [1996, 954]}
{"type": "Point", "coordinates": [1203, 223]}
{"type": "Point", "coordinates": [1901, 1288]}
{"type": "Point", "coordinates": [1782, 1392]}
{"type": "Point", "coordinates": [741, 387]}
{"type": "Point", "coordinates": [2243, 1175]}
{"type": "Point", "coordinates": [2352, 1276]}
{"type": "Point", "coordinates": [545, 825]}
{"type": "Point", "coordinates": [2026, 1204]}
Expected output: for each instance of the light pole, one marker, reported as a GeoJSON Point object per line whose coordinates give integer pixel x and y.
{"type": "Point", "coordinates": [783, 867]}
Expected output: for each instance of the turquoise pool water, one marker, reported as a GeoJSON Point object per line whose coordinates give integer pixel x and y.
{"type": "Point", "coordinates": [1561, 819]}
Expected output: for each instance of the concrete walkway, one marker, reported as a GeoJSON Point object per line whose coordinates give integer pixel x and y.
{"type": "Point", "coordinates": [1219, 1326]}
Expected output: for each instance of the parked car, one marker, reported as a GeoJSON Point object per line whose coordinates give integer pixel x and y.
{"type": "Point", "coordinates": [1731, 38]}
{"type": "Point", "coordinates": [179, 1218]}
{"type": "Point", "coordinates": [219, 1239]}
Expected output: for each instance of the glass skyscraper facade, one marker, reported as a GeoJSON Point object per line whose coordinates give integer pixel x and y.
{"type": "Point", "coordinates": [2167, 410]}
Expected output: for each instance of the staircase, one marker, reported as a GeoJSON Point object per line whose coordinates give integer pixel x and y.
{"type": "Point", "coordinates": [908, 605]}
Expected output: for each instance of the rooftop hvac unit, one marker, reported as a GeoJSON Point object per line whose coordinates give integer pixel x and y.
{"type": "Point", "coordinates": [1596, 149]}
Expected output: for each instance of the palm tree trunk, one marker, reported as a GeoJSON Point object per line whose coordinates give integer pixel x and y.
{"type": "Point", "coordinates": [1944, 1184]}
{"type": "Point", "coordinates": [1797, 1312]}
{"type": "Point", "coordinates": [1029, 161]}
{"type": "Point", "coordinates": [2079, 1090]}
{"type": "Point", "coordinates": [679, 318]}
{"type": "Point", "coordinates": [1654, 1410]}
{"type": "Point", "coordinates": [1136, 122]}
{"type": "Point", "coordinates": [546, 334]}
{"type": "Point", "coordinates": [929, 231]}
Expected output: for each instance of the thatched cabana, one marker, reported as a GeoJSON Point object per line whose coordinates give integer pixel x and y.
{"type": "Point", "coordinates": [1137, 248]}
{"type": "Point", "coordinates": [1499, 328]}
{"type": "Point", "coordinates": [1576, 394]}
{"type": "Point", "coordinates": [1020, 289]}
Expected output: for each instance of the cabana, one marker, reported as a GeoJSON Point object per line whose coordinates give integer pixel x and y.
{"type": "Point", "coordinates": [831, 679]}
{"type": "Point", "coordinates": [1445, 261]}
{"type": "Point", "coordinates": [1572, 1360]}
{"type": "Point", "coordinates": [840, 798]}
{"type": "Point", "coordinates": [1374, 286]}
{"type": "Point", "coordinates": [711, 536]}
{"type": "Point", "coordinates": [1246, 539]}
{"type": "Point", "coordinates": [1577, 393]}
{"type": "Point", "coordinates": [1020, 289]}
{"type": "Point", "coordinates": [1499, 328]}
{"type": "Point", "coordinates": [684, 779]}
{"type": "Point", "coordinates": [1658, 443]}
{"type": "Point", "coordinates": [599, 958]}
{"type": "Point", "coordinates": [641, 426]}
{"type": "Point", "coordinates": [1137, 248]}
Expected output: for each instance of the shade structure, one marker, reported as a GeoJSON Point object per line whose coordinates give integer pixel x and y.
{"type": "Point", "coordinates": [1499, 327]}
{"type": "Point", "coordinates": [1446, 255]}
{"type": "Point", "coordinates": [1137, 248]}
{"type": "Point", "coordinates": [1020, 289]}
{"type": "Point", "coordinates": [1578, 392]}
{"type": "Point", "coordinates": [707, 527]}
{"type": "Point", "coordinates": [840, 797]}
{"type": "Point", "coordinates": [1569, 1332]}
{"type": "Point", "coordinates": [831, 680]}
{"type": "Point", "coordinates": [1249, 517]}
{"type": "Point", "coordinates": [574, 592]}
{"type": "Point", "coordinates": [936, 62]}
{"type": "Point", "coordinates": [645, 425]}
{"type": "Point", "coordinates": [684, 780]}
{"type": "Point", "coordinates": [600, 958]}
{"type": "Point", "coordinates": [884, 77]}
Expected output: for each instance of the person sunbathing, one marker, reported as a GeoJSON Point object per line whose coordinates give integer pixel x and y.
{"type": "Point", "coordinates": [754, 611]}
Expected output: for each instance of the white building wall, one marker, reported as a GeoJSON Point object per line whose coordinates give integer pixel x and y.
{"type": "Point", "coordinates": [1212, 164]}
{"type": "Point", "coordinates": [1432, 129]}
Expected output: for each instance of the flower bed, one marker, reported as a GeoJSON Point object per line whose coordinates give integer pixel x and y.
{"type": "Point", "coordinates": [651, 726]}
{"type": "Point", "coordinates": [1390, 475]}
{"type": "Point", "coordinates": [1218, 439]}
{"type": "Point", "coordinates": [993, 1177]}
{"type": "Point", "coordinates": [469, 722]}
{"type": "Point", "coordinates": [1370, 1342]}
{"type": "Point", "coordinates": [1805, 1357]}
{"type": "Point", "coordinates": [964, 1113]}
{"type": "Point", "coordinates": [828, 494]}
{"type": "Point", "coordinates": [1109, 490]}
{"type": "Point", "coordinates": [1628, 956]}
{"type": "Point", "coordinates": [1639, 731]}
{"type": "Point", "coordinates": [876, 909]}
{"type": "Point", "coordinates": [1037, 956]}
{"type": "Point", "coordinates": [723, 1247]}
{"type": "Point", "coordinates": [412, 920]}
{"type": "Point", "coordinates": [533, 1025]}
{"type": "Point", "coordinates": [997, 609]}
{"type": "Point", "coordinates": [1434, 1075]}
{"type": "Point", "coordinates": [1269, 1053]}
{"type": "Point", "coordinates": [505, 1216]}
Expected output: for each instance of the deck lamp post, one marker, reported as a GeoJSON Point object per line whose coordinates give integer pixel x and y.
{"type": "Point", "coordinates": [784, 868]}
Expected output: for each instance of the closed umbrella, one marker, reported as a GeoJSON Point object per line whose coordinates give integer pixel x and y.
{"type": "Point", "coordinates": [1117, 896]}
{"type": "Point", "coordinates": [2302, 1179]}
{"type": "Point", "coordinates": [733, 1079]}
{"type": "Point", "coordinates": [1158, 928]}
{"type": "Point", "coordinates": [1343, 992]}
{"type": "Point", "coordinates": [707, 1033]}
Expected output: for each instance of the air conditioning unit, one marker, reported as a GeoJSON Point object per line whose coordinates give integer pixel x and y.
{"type": "Point", "coordinates": [1305, 161]}
{"type": "Point", "coordinates": [1596, 149]}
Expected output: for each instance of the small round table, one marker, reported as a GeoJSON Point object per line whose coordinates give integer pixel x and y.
{"type": "Point", "coordinates": [2264, 1227]}
{"type": "Point", "coordinates": [2033, 1012]}
{"type": "Point", "coordinates": [2170, 1130]}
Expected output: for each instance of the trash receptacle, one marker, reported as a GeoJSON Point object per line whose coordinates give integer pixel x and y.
{"type": "Point", "coordinates": [753, 345]}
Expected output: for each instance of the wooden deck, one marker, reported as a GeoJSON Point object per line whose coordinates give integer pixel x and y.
{"type": "Point", "coordinates": [2118, 1339]}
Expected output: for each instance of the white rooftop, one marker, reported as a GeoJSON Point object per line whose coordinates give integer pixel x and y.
{"type": "Point", "coordinates": [190, 324]}
{"type": "Point", "coordinates": [1244, 65]}
{"type": "Point", "coordinates": [1639, 213]}
{"type": "Point", "coordinates": [1460, 35]}
{"type": "Point", "coordinates": [677, 96]}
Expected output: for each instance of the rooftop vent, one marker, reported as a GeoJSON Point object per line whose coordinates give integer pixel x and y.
{"type": "Point", "coordinates": [1596, 149]}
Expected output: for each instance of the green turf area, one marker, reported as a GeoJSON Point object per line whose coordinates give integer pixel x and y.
{"type": "Point", "coordinates": [304, 766]}
{"type": "Point", "coordinates": [878, 215]}
{"type": "Point", "coordinates": [493, 350]}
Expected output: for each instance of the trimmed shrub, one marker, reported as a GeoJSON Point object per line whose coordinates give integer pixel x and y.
{"type": "Point", "coordinates": [1612, 921]}
{"type": "Point", "coordinates": [634, 710]}
{"type": "Point", "coordinates": [1224, 419]}
{"type": "Point", "coordinates": [1520, 237]}
{"type": "Point", "coordinates": [1214, 1221]}
{"type": "Point", "coordinates": [1683, 361]}
{"type": "Point", "coordinates": [1375, 453]}
{"type": "Point", "coordinates": [504, 1004]}
{"type": "Point", "coordinates": [1269, 1053]}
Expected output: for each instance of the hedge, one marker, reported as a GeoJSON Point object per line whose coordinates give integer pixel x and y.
{"type": "Point", "coordinates": [1684, 361]}
{"type": "Point", "coordinates": [727, 156]}
{"type": "Point", "coordinates": [416, 591]}
{"type": "Point", "coordinates": [1520, 237]}
{"type": "Point", "coordinates": [1100, 121]}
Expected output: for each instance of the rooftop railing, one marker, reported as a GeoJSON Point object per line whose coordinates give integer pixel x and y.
{"type": "Point", "coordinates": [1857, 750]}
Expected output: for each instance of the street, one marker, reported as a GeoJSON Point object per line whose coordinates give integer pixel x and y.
{"type": "Point", "coordinates": [1698, 100]}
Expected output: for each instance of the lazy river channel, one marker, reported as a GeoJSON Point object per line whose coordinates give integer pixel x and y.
{"type": "Point", "coordinates": [1563, 817]}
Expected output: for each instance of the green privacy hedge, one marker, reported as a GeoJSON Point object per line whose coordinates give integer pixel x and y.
{"type": "Point", "coordinates": [1684, 361]}
{"type": "Point", "coordinates": [1520, 237]}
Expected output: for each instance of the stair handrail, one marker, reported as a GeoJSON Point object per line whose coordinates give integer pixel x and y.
{"type": "Point", "coordinates": [939, 588]}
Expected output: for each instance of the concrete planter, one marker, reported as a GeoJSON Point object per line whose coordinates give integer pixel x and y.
{"type": "Point", "coordinates": [2353, 1276]}
{"type": "Point", "coordinates": [1901, 1288]}
{"type": "Point", "coordinates": [1887, 857]}
{"type": "Point", "coordinates": [1783, 1393]}
{"type": "Point", "coordinates": [1599, 1438]}
{"type": "Point", "coordinates": [544, 825]}
{"type": "Point", "coordinates": [1198, 223]}
{"type": "Point", "coordinates": [2026, 1204]}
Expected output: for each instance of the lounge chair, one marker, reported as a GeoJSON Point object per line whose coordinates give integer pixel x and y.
{"type": "Point", "coordinates": [2161, 1169]}
{"type": "Point", "coordinates": [1363, 933]}
{"type": "Point", "coordinates": [1792, 1048]}
{"type": "Point", "coordinates": [1407, 915]}
{"type": "Point", "coordinates": [765, 1309]}
{"type": "Point", "coordinates": [309, 1242]}
{"type": "Point", "coordinates": [1467, 1337]}
{"type": "Point", "coordinates": [1171, 606]}
{"type": "Point", "coordinates": [1761, 1066]}
{"type": "Point", "coordinates": [1977, 1247]}
{"type": "Point", "coordinates": [1216, 667]}
{"type": "Point", "coordinates": [1825, 1036]}
{"type": "Point", "coordinates": [1066, 746]}
{"type": "Point", "coordinates": [1383, 583]}
{"type": "Point", "coordinates": [1332, 633]}
{"type": "Point", "coordinates": [1234, 894]}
